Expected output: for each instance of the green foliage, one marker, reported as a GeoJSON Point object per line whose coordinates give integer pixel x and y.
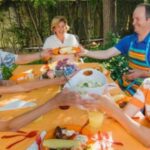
{"type": "Point", "coordinates": [20, 35]}
{"type": "Point", "coordinates": [37, 62]}
{"type": "Point", "coordinates": [112, 39]}
{"type": "Point", "coordinates": [35, 2]}
{"type": "Point", "coordinates": [38, 3]}
{"type": "Point", "coordinates": [118, 64]}
{"type": "Point", "coordinates": [7, 72]}
{"type": "Point", "coordinates": [29, 23]}
{"type": "Point", "coordinates": [43, 2]}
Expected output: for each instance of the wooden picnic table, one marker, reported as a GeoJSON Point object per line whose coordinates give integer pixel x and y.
{"type": "Point", "coordinates": [58, 117]}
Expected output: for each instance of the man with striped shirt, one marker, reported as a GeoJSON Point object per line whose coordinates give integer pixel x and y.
{"type": "Point", "coordinates": [136, 46]}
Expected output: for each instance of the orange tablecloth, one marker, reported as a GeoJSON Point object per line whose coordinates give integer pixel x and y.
{"type": "Point", "coordinates": [59, 117]}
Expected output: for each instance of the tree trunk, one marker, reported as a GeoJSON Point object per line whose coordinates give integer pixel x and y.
{"type": "Point", "coordinates": [108, 17]}
{"type": "Point", "coordinates": [35, 25]}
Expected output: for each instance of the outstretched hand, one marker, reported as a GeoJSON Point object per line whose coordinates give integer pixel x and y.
{"type": "Point", "coordinates": [46, 54]}
{"type": "Point", "coordinates": [82, 52]}
{"type": "Point", "coordinates": [104, 103]}
{"type": "Point", "coordinates": [133, 74]}
{"type": "Point", "coordinates": [70, 98]}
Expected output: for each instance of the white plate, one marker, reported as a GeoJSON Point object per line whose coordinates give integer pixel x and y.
{"type": "Point", "coordinates": [96, 76]}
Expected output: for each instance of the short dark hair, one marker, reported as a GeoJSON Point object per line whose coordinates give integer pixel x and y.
{"type": "Point", "coordinates": [147, 9]}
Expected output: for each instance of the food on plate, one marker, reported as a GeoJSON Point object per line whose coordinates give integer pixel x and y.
{"type": "Point", "coordinates": [64, 67]}
{"type": "Point", "coordinates": [89, 84]}
{"type": "Point", "coordinates": [26, 75]}
{"type": "Point", "coordinates": [88, 72]}
{"type": "Point", "coordinates": [67, 139]}
{"type": "Point", "coordinates": [44, 68]}
{"type": "Point", "coordinates": [61, 68]}
{"type": "Point", "coordinates": [19, 77]}
{"type": "Point", "coordinates": [65, 50]}
{"type": "Point", "coordinates": [55, 51]}
{"type": "Point", "coordinates": [46, 72]}
{"type": "Point", "coordinates": [49, 74]}
{"type": "Point", "coordinates": [60, 144]}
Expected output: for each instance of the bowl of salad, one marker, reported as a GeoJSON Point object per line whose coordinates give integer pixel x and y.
{"type": "Point", "coordinates": [87, 81]}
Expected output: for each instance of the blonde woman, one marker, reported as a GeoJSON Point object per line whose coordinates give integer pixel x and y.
{"type": "Point", "coordinates": [60, 38]}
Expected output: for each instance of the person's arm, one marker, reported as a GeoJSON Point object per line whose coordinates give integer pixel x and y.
{"type": "Point", "coordinates": [121, 47]}
{"type": "Point", "coordinates": [140, 132]}
{"type": "Point", "coordinates": [131, 109]}
{"type": "Point", "coordinates": [27, 58]}
{"type": "Point", "coordinates": [135, 73]}
{"type": "Point", "coordinates": [23, 87]}
{"type": "Point", "coordinates": [62, 99]}
{"type": "Point", "coordinates": [20, 121]}
{"type": "Point", "coordinates": [101, 54]}
{"type": "Point", "coordinates": [28, 117]}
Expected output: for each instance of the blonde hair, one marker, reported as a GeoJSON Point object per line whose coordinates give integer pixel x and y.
{"type": "Point", "coordinates": [57, 20]}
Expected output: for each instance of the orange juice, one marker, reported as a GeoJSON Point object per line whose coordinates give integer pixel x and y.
{"type": "Point", "coordinates": [95, 120]}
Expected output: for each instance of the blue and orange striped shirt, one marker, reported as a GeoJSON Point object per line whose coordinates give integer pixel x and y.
{"type": "Point", "coordinates": [124, 44]}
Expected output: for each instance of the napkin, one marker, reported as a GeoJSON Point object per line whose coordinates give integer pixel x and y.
{"type": "Point", "coordinates": [16, 104]}
{"type": "Point", "coordinates": [36, 144]}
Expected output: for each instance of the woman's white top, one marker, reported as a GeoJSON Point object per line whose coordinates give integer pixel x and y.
{"type": "Point", "coordinates": [53, 42]}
